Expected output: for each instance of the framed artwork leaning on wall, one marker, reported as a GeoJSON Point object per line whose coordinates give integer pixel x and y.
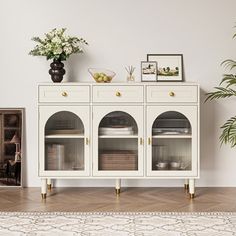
{"type": "Point", "coordinates": [169, 66]}
{"type": "Point", "coordinates": [148, 71]}
{"type": "Point", "coordinates": [11, 155]}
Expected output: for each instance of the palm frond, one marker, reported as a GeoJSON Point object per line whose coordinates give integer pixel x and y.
{"type": "Point", "coordinates": [220, 93]}
{"type": "Point", "coordinates": [229, 64]}
{"type": "Point", "coordinates": [229, 132]}
{"type": "Point", "coordinates": [229, 79]}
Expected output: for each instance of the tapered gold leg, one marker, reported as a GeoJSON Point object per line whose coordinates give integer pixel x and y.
{"type": "Point", "coordinates": [44, 195]}
{"type": "Point", "coordinates": [49, 187]}
{"type": "Point", "coordinates": [191, 195]}
{"type": "Point", "coordinates": [117, 188]}
{"type": "Point", "coordinates": [117, 191]}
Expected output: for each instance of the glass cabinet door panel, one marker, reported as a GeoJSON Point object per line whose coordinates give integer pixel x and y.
{"type": "Point", "coordinates": [171, 154]}
{"type": "Point", "coordinates": [118, 123]}
{"type": "Point", "coordinates": [117, 144]}
{"type": "Point", "coordinates": [64, 123]}
{"type": "Point", "coordinates": [118, 154]}
{"type": "Point", "coordinates": [64, 142]}
{"type": "Point", "coordinates": [64, 154]}
{"type": "Point", "coordinates": [64, 147]}
{"type": "Point", "coordinates": [171, 142]}
{"type": "Point", "coordinates": [171, 136]}
{"type": "Point", "coordinates": [118, 140]}
{"type": "Point", "coordinates": [171, 123]}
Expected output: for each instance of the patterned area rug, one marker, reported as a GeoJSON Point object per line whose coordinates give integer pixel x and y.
{"type": "Point", "coordinates": [117, 224]}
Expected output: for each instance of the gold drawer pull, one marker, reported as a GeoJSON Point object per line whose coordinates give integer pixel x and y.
{"type": "Point", "coordinates": [87, 141]}
{"type": "Point", "coordinates": [172, 94]}
{"type": "Point", "coordinates": [141, 141]}
{"type": "Point", "coordinates": [118, 94]}
{"type": "Point", "coordinates": [64, 94]}
{"type": "Point", "coordinates": [149, 141]}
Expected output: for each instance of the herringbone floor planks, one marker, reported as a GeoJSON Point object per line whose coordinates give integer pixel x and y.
{"type": "Point", "coordinates": [130, 199]}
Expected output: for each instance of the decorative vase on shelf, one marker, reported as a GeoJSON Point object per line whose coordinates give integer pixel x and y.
{"type": "Point", "coordinates": [130, 71]}
{"type": "Point", "coordinates": [130, 78]}
{"type": "Point", "coordinates": [58, 46]}
{"type": "Point", "coordinates": [57, 71]}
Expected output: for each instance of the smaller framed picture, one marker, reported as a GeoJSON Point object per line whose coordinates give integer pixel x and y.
{"type": "Point", "coordinates": [169, 66]}
{"type": "Point", "coordinates": [149, 71]}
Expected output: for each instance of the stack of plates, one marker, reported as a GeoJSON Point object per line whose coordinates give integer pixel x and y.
{"type": "Point", "coordinates": [116, 130]}
{"type": "Point", "coordinates": [170, 131]}
{"type": "Point", "coordinates": [55, 157]}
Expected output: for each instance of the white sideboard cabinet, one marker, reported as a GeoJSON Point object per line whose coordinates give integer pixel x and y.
{"type": "Point", "coordinates": [118, 131]}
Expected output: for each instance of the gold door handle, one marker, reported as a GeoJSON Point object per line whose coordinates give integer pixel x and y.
{"type": "Point", "coordinates": [149, 141]}
{"type": "Point", "coordinates": [118, 94]}
{"type": "Point", "coordinates": [64, 94]}
{"type": "Point", "coordinates": [141, 141]}
{"type": "Point", "coordinates": [172, 94]}
{"type": "Point", "coordinates": [87, 141]}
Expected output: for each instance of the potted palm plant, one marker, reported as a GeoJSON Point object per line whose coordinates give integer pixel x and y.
{"type": "Point", "coordinates": [226, 89]}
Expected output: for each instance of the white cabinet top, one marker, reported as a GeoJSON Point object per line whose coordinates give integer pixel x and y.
{"type": "Point", "coordinates": [119, 83]}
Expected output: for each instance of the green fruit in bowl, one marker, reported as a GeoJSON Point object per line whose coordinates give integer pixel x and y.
{"type": "Point", "coordinates": [99, 79]}
{"type": "Point", "coordinates": [105, 78]}
{"type": "Point", "coordinates": [101, 75]}
{"type": "Point", "coordinates": [96, 75]}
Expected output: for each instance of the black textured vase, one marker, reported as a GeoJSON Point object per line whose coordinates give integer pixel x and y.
{"type": "Point", "coordinates": [57, 71]}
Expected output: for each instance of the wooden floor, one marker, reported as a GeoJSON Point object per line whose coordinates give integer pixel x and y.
{"type": "Point", "coordinates": [130, 199]}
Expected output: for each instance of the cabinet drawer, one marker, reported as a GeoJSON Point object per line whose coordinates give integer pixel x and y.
{"type": "Point", "coordinates": [117, 93]}
{"type": "Point", "coordinates": [63, 93]}
{"type": "Point", "coordinates": [169, 93]}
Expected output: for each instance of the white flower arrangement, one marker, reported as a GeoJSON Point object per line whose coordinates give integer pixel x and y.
{"type": "Point", "coordinates": [56, 45]}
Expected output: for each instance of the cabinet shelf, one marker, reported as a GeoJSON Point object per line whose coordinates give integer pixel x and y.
{"type": "Point", "coordinates": [118, 136]}
{"type": "Point", "coordinates": [173, 136]}
{"type": "Point", "coordinates": [8, 142]}
{"type": "Point", "coordinates": [64, 136]}
{"type": "Point", "coordinates": [8, 127]}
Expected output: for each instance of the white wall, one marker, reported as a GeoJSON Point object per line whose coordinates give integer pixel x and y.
{"type": "Point", "coordinates": [121, 33]}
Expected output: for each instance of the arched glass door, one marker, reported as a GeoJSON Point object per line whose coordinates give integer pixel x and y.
{"type": "Point", "coordinates": [171, 142]}
{"type": "Point", "coordinates": [172, 133]}
{"type": "Point", "coordinates": [64, 141]}
{"type": "Point", "coordinates": [118, 141]}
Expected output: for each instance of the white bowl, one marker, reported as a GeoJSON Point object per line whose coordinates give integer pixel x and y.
{"type": "Point", "coordinates": [162, 165]}
{"type": "Point", "coordinates": [175, 165]}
